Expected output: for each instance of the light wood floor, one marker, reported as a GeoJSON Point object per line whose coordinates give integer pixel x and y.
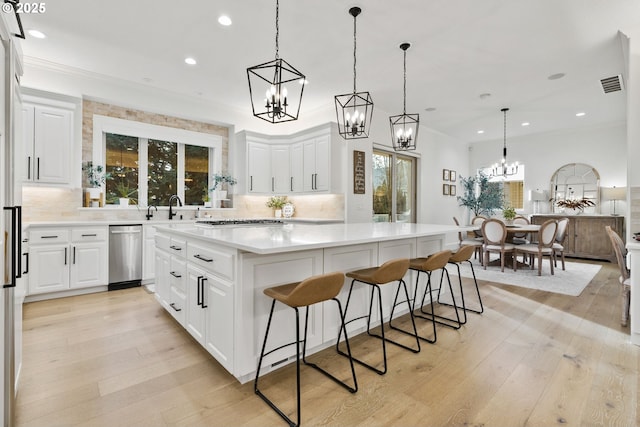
{"type": "Point", "coordinates": [533, 358]}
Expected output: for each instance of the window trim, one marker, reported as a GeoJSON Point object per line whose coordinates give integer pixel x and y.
{"type": "Point", "coordinates": [145, 131]}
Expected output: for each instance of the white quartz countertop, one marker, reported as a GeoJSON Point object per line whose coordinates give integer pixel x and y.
{"type": "Point", "coordinates": [269, 239]}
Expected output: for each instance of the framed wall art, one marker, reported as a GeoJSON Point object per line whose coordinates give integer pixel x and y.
{"type": "Point", "coordinates": [452, 190]}
{"type": "Point", "coordinates": [445, 174]}
{"type": "Point", "coordinates": [445, 189]}
{"type": "Point", "coordinates": [358, 172]}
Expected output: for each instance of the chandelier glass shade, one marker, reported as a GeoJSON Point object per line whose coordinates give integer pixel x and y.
{"type": "Point", "coordinates": [276, 87]}
{"type": "Point", "coordinates": [354, 110]}
{"type": "Point", "coordinates": [404, 127]}
{"type": "Point", "coordinates": [504, 169]}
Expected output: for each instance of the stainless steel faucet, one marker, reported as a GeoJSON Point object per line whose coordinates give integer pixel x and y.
{"type": "Point", "coordinates": [171, 199]}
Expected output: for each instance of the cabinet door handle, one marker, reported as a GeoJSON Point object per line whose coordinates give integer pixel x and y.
{"type": "Point", "coordinates": [74, 254]}
{"type": "Point", "coordinates": [199, 302]}
{"type": "Point", "coordinates": [200, 257]}
{"type": "Point", "coordinates": [49, 237]}
{"type": "Point", "coordinates": [29, 167]}
{"type": "Point", "coordinates": [291, 183]}
{"type": "Point", "coordinates": [251, 183]}
{"type": "Point", "coordinates": [173, 305]}
{"type": "Point", "coordinates": [175, 248]}
{"type": "Point", "coordinates": [272, 183]}
{"type": "Point", "coordinates": [202, 284]}
{"type": "Point", "coordinates": [26, 263]}
{"type": "Point", "coordinates": [174, 274]}
{"type": "Point", "coordinates": [38, 169]}
{"type": "Point", "coordinates": [65, 256]}
{"type": "Point", "coordinates": [89, 235]}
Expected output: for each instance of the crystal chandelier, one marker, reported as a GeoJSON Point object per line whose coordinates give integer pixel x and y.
{"type": "Point", "coordinates": [404, 127]}
{"type": "Point", "coordinates": [354, 110]}
{"type": "Point", "coordinates": [279, 104]}
{"type": "Point", "coordinates": [504, 169]}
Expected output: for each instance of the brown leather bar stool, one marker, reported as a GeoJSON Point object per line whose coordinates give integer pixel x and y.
{"type": "Point", "coordinates": [464, 255]}
{"type": "Point", "coordinates": [310, 291]}
{"type": "Point", "coordinates": [434, 262]}
{"type": "Point", "coordinates": [391, 271]}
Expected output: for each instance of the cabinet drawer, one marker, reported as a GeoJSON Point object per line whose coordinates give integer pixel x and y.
{"type": "Point", "coordinates": [162, 242]}
{"type": "Point", "coordinates": [177, 247]}
{"type": "Point", "coordinates": [89, 234]}
{"type": "Point", "coordinates": [178, 273]}
{"type": "Point", "coordinates": [217, 262]}
{"type": "Point", "coordinates": [177, 305]}
{"type": "Point", "coordinates": [48, 235]}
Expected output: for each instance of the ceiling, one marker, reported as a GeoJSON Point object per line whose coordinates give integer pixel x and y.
{"type": "Point", "coordinates": [460, 50]}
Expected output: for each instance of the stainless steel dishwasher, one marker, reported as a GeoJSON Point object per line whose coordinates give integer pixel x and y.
{"type": "Point", "coordinates": [125, 256]}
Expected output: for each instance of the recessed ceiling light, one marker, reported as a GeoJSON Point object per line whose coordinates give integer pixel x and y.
{"type": "Point", "coordinates": [485, 95]}
{"type": "Point", "coordinates": [526, 124]}
{"type": "Point", "coordinates": [147, 79]}
{"type": "Point", "coordinates": [430, 109]}
{"type": "Point", "coordinates": [37, 34]}
{"type": "Point", "coordinates": [580, 114]}
{"type": "Point", "coordinates": [556, 76]}
{"type": "Point", "coordinates": [480, 131]}
{"type": "Point", "coordinates": [190, 61]}
{"type": "Point", "coordinates": [224, 20]}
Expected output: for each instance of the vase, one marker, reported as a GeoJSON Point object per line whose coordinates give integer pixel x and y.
{"type": "Point", "coordinates": [508, 222]}
{"type": "Point", "coordinates": [207, 204]}
{"type": "Point", "coordinates": [278, 213]}
{"type": "Point", "coordinates": [221, 194]}
{"type": "Point", "coordinates": [124, 202]}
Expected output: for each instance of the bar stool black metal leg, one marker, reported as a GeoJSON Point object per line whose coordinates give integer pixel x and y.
{"type": "Point", "coordinates": [401, 283]}
{"type": "Point", "coordinates": [475, 281]}
{"type": "Point", "coordinates": [464, 307]}
{"type": "Point", "coordinates": [431, 317]}
{"type": "Point", "coordinates": [444, 321]}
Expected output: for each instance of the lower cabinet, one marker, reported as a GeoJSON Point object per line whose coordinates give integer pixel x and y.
{"type": "Point", "coordinates": [67, 258]}
{"type": "Point", "coordinates": [586, 236]}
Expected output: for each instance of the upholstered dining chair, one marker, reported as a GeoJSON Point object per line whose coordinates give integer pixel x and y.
{"type": "Point", "coordinates": [495, 236]}
{"type": "Point", "coordinates": [544, 247]}
{"type": "Point", "coordinates": [558, 245]}
{"type": "Point", "coordinates": [625, 275]}
{"type": "Point", "coordinates": [521, 238]}
{"type": "Point", "coordinates": [478, 220]}
{"type": "Point", "coordinates": [476, 242]}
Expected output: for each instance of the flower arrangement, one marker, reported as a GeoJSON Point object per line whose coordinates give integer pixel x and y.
{"type": "Point", "coordinates": [579, 204]}
{"type": "Point", "coordinates": [508, 213]}
{"type": "Point", "coordinates": [96, 176]}
{"type": "Point", "coordinates": [276, 202]}
{"type": "Point", "coordinates": [221, 178]}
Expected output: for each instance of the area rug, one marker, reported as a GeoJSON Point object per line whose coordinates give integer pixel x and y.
{"type": "Point", "coordinates": [571, 281]}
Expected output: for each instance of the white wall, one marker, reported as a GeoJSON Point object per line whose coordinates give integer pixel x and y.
{"type": "Point", "coordinates": [604, 148]}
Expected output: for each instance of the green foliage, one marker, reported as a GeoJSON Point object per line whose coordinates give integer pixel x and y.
{"type": "Point", "coordinates": [479, 195]}
{"type": "Point", "coordinates": [96, 176]}
{"type": "Point", "coordinates": [508, 213]}
{"type": "Point", "coordinates": [276, 202]}
{"type": "Point", "coordinates": [220, 178]}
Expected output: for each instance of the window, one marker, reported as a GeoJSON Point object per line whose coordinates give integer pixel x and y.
{"type": "Point", "coordinates": [150, 163]}
{"type": "Point", "coordinates": [394, 194]}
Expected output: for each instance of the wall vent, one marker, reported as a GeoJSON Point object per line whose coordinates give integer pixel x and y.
{"type": "Point", "coordinates": [612, 84]}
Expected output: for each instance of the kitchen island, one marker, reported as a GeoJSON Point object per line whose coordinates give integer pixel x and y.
{"type": "Point", "coordinates": [211, 280]}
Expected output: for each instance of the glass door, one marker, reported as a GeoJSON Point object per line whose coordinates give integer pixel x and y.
{"type": "Point", "coordinates": [394, 189]}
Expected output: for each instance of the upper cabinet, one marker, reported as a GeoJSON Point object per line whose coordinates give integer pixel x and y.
{"type": "Point", "coordinates": [307, 162]}
{"type": "Point", "coordinates": [47, 132]}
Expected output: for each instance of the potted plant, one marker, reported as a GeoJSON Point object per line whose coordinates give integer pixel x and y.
{"type": "Point", "coordinates": [125, 192]}
{"type": "Point", "coordinates": [206, 198]}
{"type": "Point", "coordinates": [509, 214]}
{"type": "Point", "coordinates": [221, 178]}
{"type": "Point", "coordinates": [277, 202]}
{"type": "Point", "coordinates": [480, 195]}
{"type": "Point", "coordinates": [96, 176]}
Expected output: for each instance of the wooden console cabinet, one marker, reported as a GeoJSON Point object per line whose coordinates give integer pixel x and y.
{"type": "Point", "coordinates": [586, 236]}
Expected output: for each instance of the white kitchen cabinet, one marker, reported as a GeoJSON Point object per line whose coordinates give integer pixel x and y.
{"type": "Point", "coordinates": [316, 164]}
{"type": "Point", "coordinates": [280, 176]}
{"type": "Point", "coordinates": [196, 305]}
{"type": "Point", "coordinates": [162, 264]}
{"type": "Point", "coordinates": [148, 252]}
{"type": "Point", "coordinates": [67, 258]}
{"type": "Point", "coordinates": [48, 137]}
{"type": "Point", "coordinates": [259, 168]}
{"type": "Point", "coordinates": [171, 275]}
{"type": "Point", "coordinates": [297, 167]}
{"type": "Point", "coordinates": [220, 326]}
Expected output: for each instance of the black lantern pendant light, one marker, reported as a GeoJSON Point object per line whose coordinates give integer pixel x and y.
{"type": "Point", "coordinates": [281, 103]}
{"type": "Point", "coordinates": [404, 127]}
{"type": "Point", "coordinates": [504, 169]}
{"type": "Point", "coordinates": [354, 110]}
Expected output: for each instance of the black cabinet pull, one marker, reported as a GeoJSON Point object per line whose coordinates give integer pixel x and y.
{"type": "Point", "coordinates": [65, 256]}
{"type": "Point", "coordinates": [251, 183]}
{"type": "Point", "coordinates": [26, 263]}
{"type": "Point", "coordinates": [174, 274]}
{"type": "Point", "coordinates": [38, 170]}
{"type": "Point", "coordinates": [29, 167]}
{"type": "Point", "coordinates": [291, 184]}
{"type": "Point", "coordinates": [202, 284]}
{"type": "Point", "coordinates": [175, 248]}
{"type": "Point", "coordinates": [199, 302]}
{"type": "Point", "coordinates": [173, 305]}
{"type": "Point", "coordinates": [273, 184]}
{"type": "Point", "coordinates": [89, 235]}
{"type": "Point", "coordinates": [200, 257]}
{"type": "Point", "coordinates": [49, 237]}
{"type": "Point", "coordinates": [74, 254]}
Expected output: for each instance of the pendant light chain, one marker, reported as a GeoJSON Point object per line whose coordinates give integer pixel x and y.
{"type": "Point", "coordinates": [404, 105]}
{"type": "Point", "coordinates": [277, 26]}
{"type": "Point", "coordinates": [354, 54]}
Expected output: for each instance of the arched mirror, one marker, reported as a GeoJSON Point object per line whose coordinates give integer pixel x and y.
{"type": "Point", "coordinates": [575, 181]}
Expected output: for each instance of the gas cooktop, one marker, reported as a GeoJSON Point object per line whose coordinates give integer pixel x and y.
{"type": "Point", "coordinates": [240, 222]}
